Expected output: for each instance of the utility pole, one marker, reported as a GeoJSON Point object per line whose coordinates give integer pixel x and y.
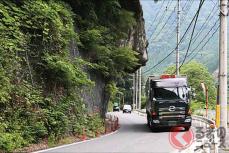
{"type": "Point", "coordinates": [134, 88]}
{"type": "Point", "coordinates": [206, 104]}
{"type": "Point", "coordinates": [205, 91]}
{"type": "Point", "coordinates": [140, 87]}
{"type": "Point", "coordinates": [217, 112]}
{"type": "Point", "coordinates": [137, 89]}
{"type": "Point", "coordinates": [223, 63]}
{"type": "Point", "coordinates": [178, 38]}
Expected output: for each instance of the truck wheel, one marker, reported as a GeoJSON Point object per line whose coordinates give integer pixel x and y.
{"type": "Point", "coordinates": [154, 129]}
{"type": "Point", "coordinates": [187, 128]}
{"type": "Point", "coordinates": [148, 124]}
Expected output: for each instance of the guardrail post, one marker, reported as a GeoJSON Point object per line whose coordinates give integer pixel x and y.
{"type": "Point", "coordinates": [206, 145]}
{"type": "Point", "coordinates": [215, 141]}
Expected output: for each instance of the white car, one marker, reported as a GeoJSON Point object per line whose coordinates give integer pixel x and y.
{"type": "Point", "coordinates": [127, 109]}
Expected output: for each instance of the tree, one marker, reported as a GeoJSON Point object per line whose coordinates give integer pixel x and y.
{"type": "Point", "coordinates": [198, 73]}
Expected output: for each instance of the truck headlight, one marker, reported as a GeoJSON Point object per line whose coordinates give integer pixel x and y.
{"type": "Point", "coordinates": [156, 121]}
{"type": "Point", "coordinates": [188, 120]}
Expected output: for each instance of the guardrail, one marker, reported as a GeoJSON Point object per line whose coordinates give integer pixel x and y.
{"type": "Point", "coordinates": [203, 121]}
{"type": "Point", "coordinates": [206, 139]}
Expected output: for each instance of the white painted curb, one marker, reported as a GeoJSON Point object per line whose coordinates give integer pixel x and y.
{"type": "Point", "coordinates": [67, 145]}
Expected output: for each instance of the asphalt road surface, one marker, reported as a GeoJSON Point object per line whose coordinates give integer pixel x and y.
{"type": "Point", "coordinates": [133, 136]}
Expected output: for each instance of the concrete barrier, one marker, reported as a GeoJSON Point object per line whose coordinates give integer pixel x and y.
{"type": "Point", "coordinates": [111, 123]}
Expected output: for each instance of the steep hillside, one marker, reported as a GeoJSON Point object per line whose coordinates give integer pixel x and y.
{"type": "Point", "coordinates": [60, 61]}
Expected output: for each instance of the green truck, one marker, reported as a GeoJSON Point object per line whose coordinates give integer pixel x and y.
{"type": "Point", "coordinates": [168, 102]}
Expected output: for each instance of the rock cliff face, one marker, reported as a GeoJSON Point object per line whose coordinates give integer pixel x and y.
{"type": "Point", "coordinates": [137, 37]}
{"type": "Point", "coordinates": [97, 99]}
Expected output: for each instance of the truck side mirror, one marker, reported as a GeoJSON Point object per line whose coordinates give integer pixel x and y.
{"type": "Point", "coordinates": [191, 93]}
{"type": "Point", "coordinates": [183, 95]}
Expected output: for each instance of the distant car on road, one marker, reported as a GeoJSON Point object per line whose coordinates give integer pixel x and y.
{"type": "Point", "coordinates": [116, 108]}
{"type": "Point", "coordinates": [127, 109]}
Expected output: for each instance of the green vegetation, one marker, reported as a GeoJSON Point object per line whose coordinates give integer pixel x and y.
{"type": "Point", "coordinates": [40, 82]}
{"type": "Point", "coordinates": [197, 73]}
{"type": "Point", "coordinates": [143, 102]}
{"type": "Point", "coordinates": [107, 29]}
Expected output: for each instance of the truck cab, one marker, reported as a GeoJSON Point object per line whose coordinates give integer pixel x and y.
{"type": "Point", "coordinates": [168, 102]}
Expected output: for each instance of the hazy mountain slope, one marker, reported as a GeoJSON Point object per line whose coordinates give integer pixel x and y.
{"type": "Point", "coordinates": [163, 41]}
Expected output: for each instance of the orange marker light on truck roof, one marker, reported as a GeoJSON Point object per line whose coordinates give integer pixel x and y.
{"type": "Point", "coordinates": [166, 76]}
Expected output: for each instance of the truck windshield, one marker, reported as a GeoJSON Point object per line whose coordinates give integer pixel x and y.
{"type": "Point", "coordinates": [171, 93]}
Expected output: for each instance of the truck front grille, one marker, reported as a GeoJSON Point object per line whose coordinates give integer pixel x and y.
{"type": "Point", "coordinates": [172, 113]}
{"type": "Point", "coordinates": [166, 113]}
{"type": "Point", "coordinates": [167, 109]}
{"type": "Point", "coordinates": [171, 116]}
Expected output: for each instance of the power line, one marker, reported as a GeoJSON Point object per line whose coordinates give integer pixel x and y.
{"type": "Point", "coordinates": [160, 19]}
{"type": "Point", "coordinates": [183, 19]}
{"type": "Point", "coordinates": [183, 8]}
{"type": "Point", "coordinates": [204, 37]}
{"type": "Point", "coordinates": [186, 12]}
{"type": "Point", "coordinates": [186, 54]}
{"type": "Point", "coordinates": [159, 62]}
{"type": "Point", "coordinates": [164, 24]}
{"type": "Point", "coordinates": [202, 29]}
{"type": "Point", "coordinates": [179, 42]}
{"type": "Point", "coordinates": [156, 16]}
{"type": "Point", "coordinates": [205, 23]}
{"type": "Point", "coordinates": [214, 2]}
{"type": "Point", "coordinates": [204, 44]}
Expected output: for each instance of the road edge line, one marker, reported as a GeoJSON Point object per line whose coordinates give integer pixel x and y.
{"type": "Point", "coordinates": [75, 143]}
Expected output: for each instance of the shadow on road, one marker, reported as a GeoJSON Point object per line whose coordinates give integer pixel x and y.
{"type": "Point", "coordinates": [135, 127]}
{"type": "Point", "coordinates": [143, 128]}
{"type": "Point", "coordinates": [159, 130]}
